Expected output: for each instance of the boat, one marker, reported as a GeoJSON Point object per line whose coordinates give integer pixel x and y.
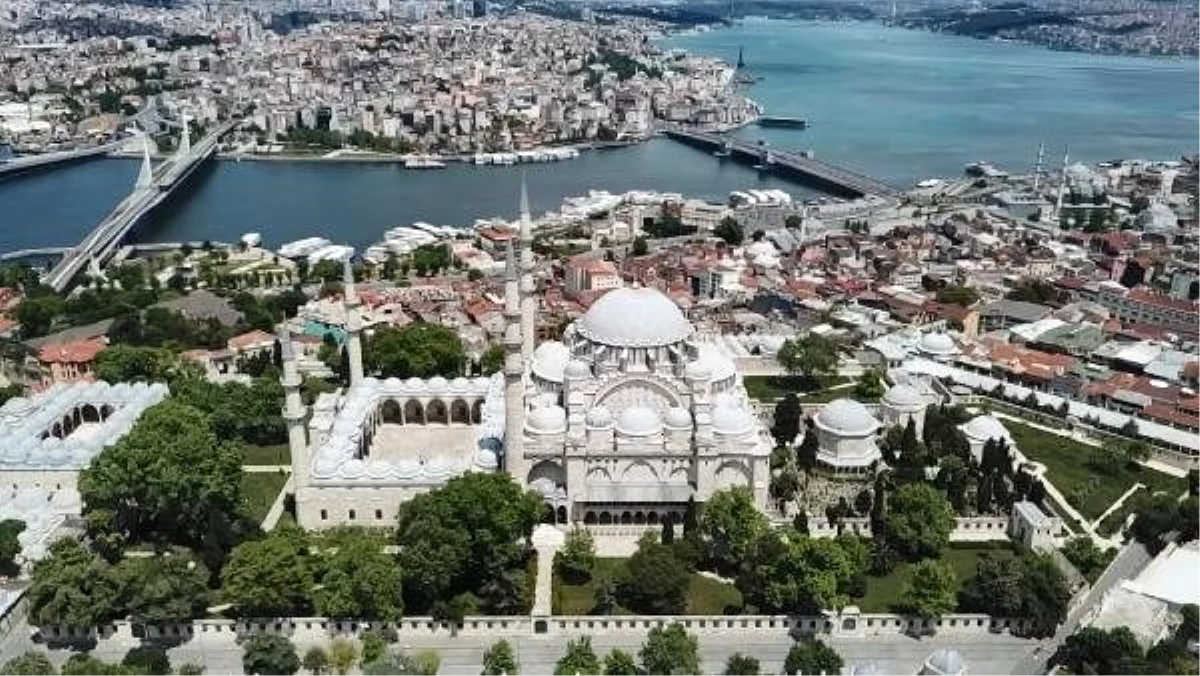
{"type": "Point", "coordinates": [423, 163]}
{"type": "Point", "coordinates": [770, 121]}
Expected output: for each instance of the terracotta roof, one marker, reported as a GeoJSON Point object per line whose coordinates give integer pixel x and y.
{"type": "Point", "coordinates": [250, 339]}
{"type": "Point", "coordinates": [77, 352]}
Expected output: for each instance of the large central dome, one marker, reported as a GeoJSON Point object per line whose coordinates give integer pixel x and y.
{"type": "Point", "coordinates": [634, 317]}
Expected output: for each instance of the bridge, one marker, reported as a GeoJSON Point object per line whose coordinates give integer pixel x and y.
{"type": "Point", "coordinates": [152, 189]}
{"type": "Point", "coordinates": [30, 163]}
{"type": "Point", "coordinates": [841, 180]}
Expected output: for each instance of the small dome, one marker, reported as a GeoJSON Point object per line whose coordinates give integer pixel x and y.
{"type": "Point", "coordinates": [638, 421]}
{"type": "Point", "coordinates": [634, 317]}
{"type": "Point", "coordinates": [904, 397]}
{"type": "Point", "coordinates": [547, 419]}
{"type": "Point", "coordinates": [486, 459]}
{"type": "Point", "coordinates": [550, 359]}
{"type": "Point", "coordinates": [944, 661]}
{"type": "Point", "coordinates": [438, 383]}
{"type": "Point", "coordinates": [678, 418]}
{"type": "Point", "coordinates": [1157, 218]}
{"type": "Point", "coordinates": [599, 417]}
{"type": "Point", "coordinates": [937, 344]}
{"type": "Point", "coordinates": [720, 367]}
{"type": "Point", "coordinates": [846, 416]}
{"type": "Point", "coordinates": [577, 369]}
{"type": "Point", "coordinates": [698, 370]}
{"type": "Point", "coordinates": [731, 420]}
{"type": "Point", "coordinates": [984, 427]}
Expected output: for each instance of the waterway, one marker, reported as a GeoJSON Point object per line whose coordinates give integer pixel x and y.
{"type": "Point", "coordinates": [900, 105]}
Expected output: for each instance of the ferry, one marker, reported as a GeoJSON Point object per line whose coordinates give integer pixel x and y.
{"type": "Point", "coordinates": [423, 163]}
{"type": "Point", "coordinates": [769, 121]}
{"type": "Point", "coordinates": [985, 170]}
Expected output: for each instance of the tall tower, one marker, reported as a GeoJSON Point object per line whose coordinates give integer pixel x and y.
{"type": "Point", "coordinates": [514, 390]}
{"type": "Point", "coordinates": [1037, 168]}
{"type": "Point", "coordinates": [1062, 186]}
{"type": "Point", "coordinates": [146, 174]}
{"type": "Point", "coordinates": [293, 407]}
{"type": "Point", "coordinates": [353, 323]}
{"type": "Point", "coordinates": [185, 136]}
{"type": "Point", "coordinates": [529, 301]}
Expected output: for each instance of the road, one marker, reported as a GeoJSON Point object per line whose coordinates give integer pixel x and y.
{"type": "Point", "coordinates": [1129, 562]}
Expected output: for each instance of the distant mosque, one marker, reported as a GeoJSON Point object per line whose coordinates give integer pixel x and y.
{"type": "Point", "coordinates": [625, 421]}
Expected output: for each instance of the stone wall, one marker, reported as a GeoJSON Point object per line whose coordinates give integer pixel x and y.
{"type": "Point", "coordinates": [966, 528]}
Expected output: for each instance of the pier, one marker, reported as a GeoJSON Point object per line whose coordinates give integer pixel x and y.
{"type": "Point", "coordinates": [842, 181]}
{"type": "Point", "coordinates": [152, 189]}
{"type": "Point", "coordinates": [31, 163]}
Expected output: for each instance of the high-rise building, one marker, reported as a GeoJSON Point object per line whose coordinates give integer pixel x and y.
{"type": "Point", "coordinates": [478, 8]}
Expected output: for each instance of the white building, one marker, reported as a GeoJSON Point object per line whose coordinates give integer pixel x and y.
{"type": "Point", "coordinates": [846, 444]}
{"type": "Point", "coordinates": [625, 421]}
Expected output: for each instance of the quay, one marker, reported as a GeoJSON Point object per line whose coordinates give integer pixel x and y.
{"type": "Point", "coordinates": [31, 163]}
{"type": "Point", "coordinates": [824, 174]}
{"type": "Point", "coordinates": [153, 187]}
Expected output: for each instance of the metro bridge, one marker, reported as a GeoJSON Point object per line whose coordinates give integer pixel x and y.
{"type": "Point", "coordinates": [153, 187]}
{"type": "Point", "coordinates": [30, 163]}
{"type": "Point", "coordinates": [767, 158]}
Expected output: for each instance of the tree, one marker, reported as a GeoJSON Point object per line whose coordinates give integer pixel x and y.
{"type": "Point", "coordinates": [269, 654]}
{"type": "Point", "coordinates": [619, 663]}
{"type": "Point", "coordinates": [470, 535]}
{"type": "Point", "coordinates": [161, 589]}
{"type": "Point", "coordinates": [71, 588]}
{"type": "Point", "coordinates": [343, 655]}
{"type": "Point", "coordinates": [870, 386]}
{"type": "Point", "coordinates": [1097, 651]}
{"type": "Point", "coordinates": [812, 656]}
{"type": "Point", "coordinates": [918, 521]}
{"type": "Point", "coordinates": [36, 314]}
{"type": "Point", "coordinates": [83, 663]}
{"type": "Point", "coordinates": [670, 650]}
{"type": "Point", "coordinates": [358, 580]}
{"type": "Point", "coordinates": [729, 522]}
{"type": "Point", "coordinates": [271, 577]}
{"type": "Point", "coordinates": [741, 665]}
{"type": "Point", "coordinates": [578, 556]}
{"type": "Point", "coordinates": [579, 659]}
{"type": "Point", "coordinates": [316, 660]}
{"type": "Point", "coordinates": [147, 660]}
{"type": "Point", "coordinates": [806, 453]}
{"type": "Point", "coordinates": [1155, 517]}
{"type": "Point", "coordinates": [499, 659]}
{"type": "Point", "coordinates": [730, 230]}
{"type": "Point", "coordinates": [604, 595]}
{"type": "Point", "coordinates": [654, 580]}
{"type": "Point", "coordinates": [1087, 558]}
{"type": "Point", "coordinates": [785, 485]}
{"type": "Point", "coordinates": [10, 547]}
{"type": "Point", "coordinates": [1031, 587]}
{"type": "Point", "coordinates": [785, 572]}
{"type": "Point", "coordinates": [810, 357]}
{"type": "Point", "coordinates": [492, 360]}
{"type": "Point", "coordinates": [639, 247]}
{"type": "Point", "coordinates": [418, 350]}
{"type": "Point", "coordinates": [963, 296]}
{"type": "Point", "coordinates": [787, 420]}
{"type": "Point", "coordinates": [125, 363]}
{"type": "Point", "coordinates": [170, 479]}
{"type": "Point", "coordinates": [375, 641]}
{"type": "Point", "coordinates": [930, 590]}
{"type": "Point", "coordinates": [32, 663]}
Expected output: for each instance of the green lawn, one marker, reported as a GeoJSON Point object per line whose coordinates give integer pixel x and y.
{"type": "Point", "coordinates": [1088, 488]}
{"type": "Point", "coordinates": [883, 593]}
{"type": "Point", "coordinates": [772, 388]}
{"type": "Point", "coordinates": [278, 454]}
{"type": "Point", "coordinates": [259, 490]}
{"type": "Point", "coordinates": [705, 595]}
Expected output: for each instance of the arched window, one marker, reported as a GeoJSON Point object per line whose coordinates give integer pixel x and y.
{"type": "Point", "coordinates": [414, 413]}
{"type": "Point", "coordinates": [477, 412]}
{"type": "Point", "coordinates": [390, 413]}
{"type": "Point", "coordinates": [460, 412]}
{"type": "Point", "coordinates": [436, 412]}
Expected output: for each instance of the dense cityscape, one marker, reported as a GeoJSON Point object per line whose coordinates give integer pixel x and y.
{"type": "Point", "coordinates": [841, 426]}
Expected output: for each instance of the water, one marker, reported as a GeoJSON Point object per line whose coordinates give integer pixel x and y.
{"type": "Point", "coordinates": [900, 105]}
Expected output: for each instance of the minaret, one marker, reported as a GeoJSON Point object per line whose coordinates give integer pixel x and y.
{"type": "Point", "coordinates": [1037, 169]}
{"type": "Point", "coordinates": [514, 390]}
{"type": "Point", "coordinates": [353, 323]}
{"type": "Point", "coordinates": [1062, 187]}
{"type": "Point", "coordinates": [185, 137]}
{"type": "Point", "coordinates": [529, 301]}
{"type": "Point", "coordinates": [293, 408]}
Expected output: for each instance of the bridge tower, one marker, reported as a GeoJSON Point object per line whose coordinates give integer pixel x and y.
{"type": "Point", "coordinates": [146, 174]}
{"type": "Point", "coordinates": [765, 160]}
{"type": "Point", "coordinates": [185, 137]}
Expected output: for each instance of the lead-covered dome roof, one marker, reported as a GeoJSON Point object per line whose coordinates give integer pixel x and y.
{"type": "Point", "coordinates": [634, 317]}
{"type": "Point", "coordinates": [846, 416]}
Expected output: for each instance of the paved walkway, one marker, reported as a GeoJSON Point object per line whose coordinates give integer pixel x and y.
{"type": "Point", "coordinates": [276, 511]}
{"type": "Point", "coordinates": [1120, 501]}
{"type": "Point", "coordinates": [261, 469]}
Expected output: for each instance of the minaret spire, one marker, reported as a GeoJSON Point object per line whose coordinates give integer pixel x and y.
{"type": "Point", "coordinates": [529, 301]}
{"type": "Point", "coordinates": [293, 407]}
{"type": "Point", "coordinates": [514, 394]}
{"type": "Point", "coordinates": [1062, 186]}
{"type": "Point", "coordinates": [353, 323]}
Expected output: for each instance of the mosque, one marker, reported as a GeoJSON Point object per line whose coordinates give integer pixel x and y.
{"type": "Point", "coordinates": [626, 420]}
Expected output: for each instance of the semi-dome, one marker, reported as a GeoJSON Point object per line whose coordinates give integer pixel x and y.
{"type": "Point", "coordinates": [985, 427]}
{"type": "Point", "coordinates": [903, 397]}
{"type": "Point", "coordinates": [937, 344]}
{"type": "Point", "coordinates": [599, 416]}
{"type": "Point", "coordinates": [547, 419]}
{"type": "Point", "coordinates": [731, 420]}
{"type": "Point", "coordinates": [720, 367]}
{"type": "Point", "coordinates": [638, 421]}
{"type": "Point", "coordinates": [550, 359]}
{"type": "Point", "coordinates": [634, 317]}
{"type": "Point", "coordinates": [677, 417]}
{"type": "Point", "coordinates": [848, 417]}
{"type": "Point", "coordinates": [697, 370]}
